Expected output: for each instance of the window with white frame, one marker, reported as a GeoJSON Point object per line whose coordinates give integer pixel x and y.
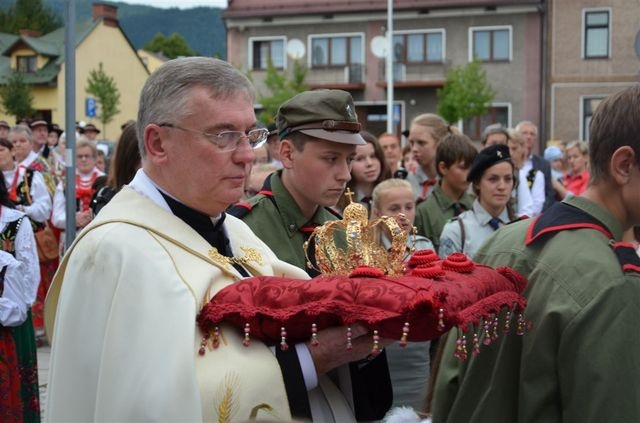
{"type": "Point", "coordinates": [418, 47]}
{"type": "Point", "coordinates": [496, 113]}
{"type": "Point", "coordinates": [490, 44]}
{"type": "Point", "coordinates": [589, 105]}
{"type": "Point", "coordinates": [265, 50]}
{"type": "Point", "coordinates": [597, 24]}
{"type": "Point", "coordinates": [336, 50]}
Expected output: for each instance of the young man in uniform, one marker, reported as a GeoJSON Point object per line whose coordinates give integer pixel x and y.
{"type": "Point", "coordinates": [579, 360]}
{"type": "Point", "coordinates": [449, 197]}
{"type": "Point", "coordinates": [319, 131]}
{"type": "Point", "coordinates": [316, 168]}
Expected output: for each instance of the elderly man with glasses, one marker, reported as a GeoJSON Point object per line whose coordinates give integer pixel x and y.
{"type": "Point", "coordinates": [122, 311]}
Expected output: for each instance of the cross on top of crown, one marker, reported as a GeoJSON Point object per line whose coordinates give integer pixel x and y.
{"type": "Point", "coordinates": [349, 194]}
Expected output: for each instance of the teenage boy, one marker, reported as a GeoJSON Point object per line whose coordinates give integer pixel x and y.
{"type": "Point", "coordinates": [579, 360]}
{"type": "Point", "coordinates": [319, 131]}
{"type": "Point", "coordinates": [449, 197]}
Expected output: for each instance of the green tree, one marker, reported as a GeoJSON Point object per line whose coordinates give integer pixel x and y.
{"type": "Point", "coordinates": [29, 14]}
{"type": "Point", "coordinates": [281, 89]}
{"type": "Point", "coordinates": [104, 89]}
{"type": "Point", "coordinates": [465, 94]}
{"type": "Point", "coordinates": [16, 97]}
{"type": "Point", "coordinates": [172, 46]}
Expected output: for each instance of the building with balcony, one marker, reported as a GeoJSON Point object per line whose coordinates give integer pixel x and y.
{"type": "Point", "coordinates": [340, 43]}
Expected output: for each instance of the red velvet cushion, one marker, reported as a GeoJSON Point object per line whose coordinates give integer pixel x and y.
{"type": "Point", "coordinates": [464, 291]}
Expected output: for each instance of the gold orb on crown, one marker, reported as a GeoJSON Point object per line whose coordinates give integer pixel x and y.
{"type": "Point", "coordinates": [343, 245]}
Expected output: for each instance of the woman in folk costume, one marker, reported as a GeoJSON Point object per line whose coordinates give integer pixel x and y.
{"type": "Point", "coordinates": [26, 157]}
{"type": "Point", "coordinates": [86, 175]}
{"type": "Point", "coordinates": [19, 279]}
{"type": "Point", "coordinates": [29, 191]}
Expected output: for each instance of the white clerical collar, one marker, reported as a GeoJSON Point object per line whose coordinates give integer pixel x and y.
{"type": "Point", "coordinates": [144, 185]}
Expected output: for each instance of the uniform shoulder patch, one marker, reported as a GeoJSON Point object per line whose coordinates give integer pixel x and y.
{"type": "Point", "coordinates": [627, 256]}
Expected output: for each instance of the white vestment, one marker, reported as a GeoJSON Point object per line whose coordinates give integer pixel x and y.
{"type": "Point", "coordinates": [124, 338]}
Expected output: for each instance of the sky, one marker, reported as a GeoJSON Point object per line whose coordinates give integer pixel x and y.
{"type": "Point", "coordinates": [181, 4]}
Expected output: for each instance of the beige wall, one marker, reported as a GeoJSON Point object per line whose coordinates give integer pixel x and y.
{"type": "Point", "coordinates": [46, 98]}
{"type": "Point", "coordinates": [40, 60]}
{"type": "Point", "coordinates": [150, 60]}
{"type": "Point", "coordinates": [109, 46]}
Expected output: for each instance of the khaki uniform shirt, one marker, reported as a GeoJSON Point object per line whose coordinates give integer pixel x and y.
{"type": "Point", "coordinates": [579, 362]}
{"type": "Point", "coordinates": [418, 181]}
{"type": "Point", "coordinates": [278, 221]}
{"type": "Point", "coordinates": [436, 210]}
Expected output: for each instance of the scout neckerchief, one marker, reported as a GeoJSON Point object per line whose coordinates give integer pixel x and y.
{"type": "Point", "coordinates": [563, 216]}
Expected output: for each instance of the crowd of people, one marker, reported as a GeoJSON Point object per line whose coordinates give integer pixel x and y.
{"type": "Point", "coordinates": [32, 221]}
{"type": "Point", "coordinates": [196, 198]}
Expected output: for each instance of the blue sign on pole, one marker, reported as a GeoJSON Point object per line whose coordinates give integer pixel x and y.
{"type": "Point", "coordinates": [90, 107]}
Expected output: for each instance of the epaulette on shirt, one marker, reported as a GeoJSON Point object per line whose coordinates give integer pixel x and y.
{"type": "Point", "coordinates": [243, 208]}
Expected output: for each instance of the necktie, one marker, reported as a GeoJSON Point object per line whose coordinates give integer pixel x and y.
{"type": "Point", "coordinates": [494, 223]}
{"type": "Point", "coordinates": [458, 208]}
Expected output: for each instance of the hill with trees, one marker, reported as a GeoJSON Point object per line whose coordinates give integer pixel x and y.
{"type": "Point", "coordinates": [201, 27]}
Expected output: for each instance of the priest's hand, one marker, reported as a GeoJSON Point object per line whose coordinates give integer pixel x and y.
{"type": "Point", "coordinates": [331, 350]}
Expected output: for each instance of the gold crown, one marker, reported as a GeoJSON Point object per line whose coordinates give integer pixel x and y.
{"type": "Point", "coordinates": [343, 245]}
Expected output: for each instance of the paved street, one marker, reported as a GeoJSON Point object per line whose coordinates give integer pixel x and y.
{"type": "Point", "coordinates": [43, 373]}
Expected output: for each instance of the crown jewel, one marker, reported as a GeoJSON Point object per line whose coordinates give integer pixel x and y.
{"type": "Point", "coordinates": [341, 246]}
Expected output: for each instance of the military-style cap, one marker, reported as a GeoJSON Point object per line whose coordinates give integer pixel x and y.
{"type": "Point", "coordinates": [37, 123]}
{"type": "Point", "coordinates": [4, 124]}
{"type": "Point", "coordinates": [325, 114]}
{"type": "Point", "coordinates": [273, 130]}
{"type": "Point", "coordinates": [486, 158]}
{"type": "Point", "coordinates": [91, 127]}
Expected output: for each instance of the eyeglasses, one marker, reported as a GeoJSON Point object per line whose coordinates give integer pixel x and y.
{"type": "Point", "coordinates": [84, 156]}
{"type": "Point", "coordinates": [228, 140]}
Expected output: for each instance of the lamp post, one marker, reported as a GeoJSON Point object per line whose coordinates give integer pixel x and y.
{"type": "Point", "coordinates": [389, 70]}
{"type": "Point", "coordinates": [69, 120]}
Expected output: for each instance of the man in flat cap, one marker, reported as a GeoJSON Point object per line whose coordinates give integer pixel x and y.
{"type": "Point", "coordinates": [319, 131]}
{"type": "Point", "coordinates": [40, 131]}
{"type": "Point", "coordinates": [4, 129]}
{"type": "Point", "coordinates": [91, 132]}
